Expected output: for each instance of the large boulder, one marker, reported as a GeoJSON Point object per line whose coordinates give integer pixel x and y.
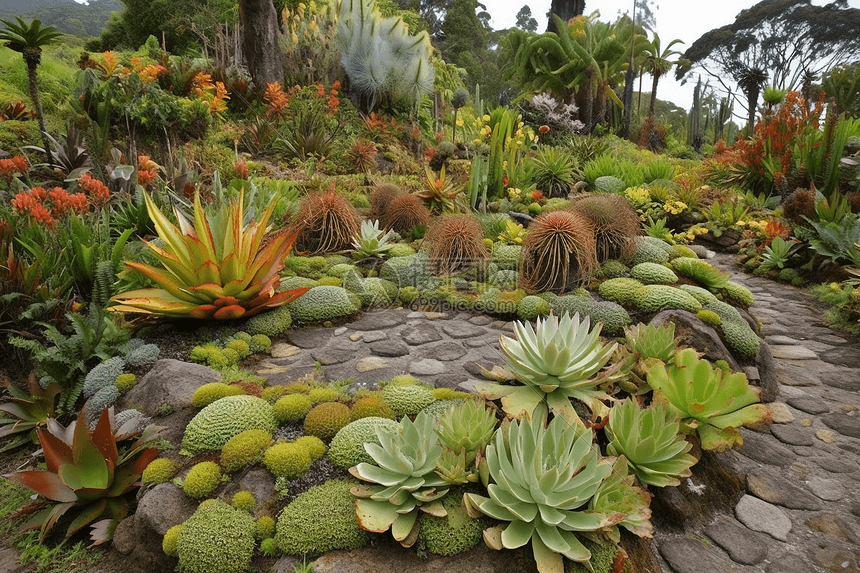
{"type": "Point", "coordinates": [171, 383]}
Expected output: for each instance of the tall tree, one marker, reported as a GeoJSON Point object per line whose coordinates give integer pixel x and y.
{"type": "Point", "coordinates": [29, 39]}
{"type": "Point", "coordinates": [260, 42]}
{"type": "Point", "coordinates": [525, 21]}
{"type": "Point", "coordinates": [564, 9]}
{"type": "Point", "coordinates": [658, 62]}
{"type": "Point", "coordinates": [785, 42]}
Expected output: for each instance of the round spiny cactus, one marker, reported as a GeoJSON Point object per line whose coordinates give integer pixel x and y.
{"type": "Point", "coordinates": [614, 223]}
{"type": "Point", "coordinates": [381, 198]}
{"type": "Point", "coordinates": [326, 223]}
{"type": "Point", "coordinates": [405, 212]}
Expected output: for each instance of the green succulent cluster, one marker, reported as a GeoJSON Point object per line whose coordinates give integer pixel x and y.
{"type": "Point", "coordinates": [703, 273]}
{"type": "Point", "coordinates": [648, 251]}
{"type": "Point", "coordinates": [655, 298]}
{"type": "Point", "coordinates": [465, 431]}
{"type": "Point", "coordinates": [739, 335]}
{"type": "Point", "coordinates": [621, 290]}
{"type": "Point", "coordinates": [273, 323]}
{"type": "Point", "coordinates": [244, 449]}
{"type": "Point", "coordinates": [215, 424]}
{"type": "Point", "coordinates": [202, 479]}
{"type": "Point", "coordinates": [288, 460]}
{"type": "Point", "coordinates": [322, 303]}
{"type": "Point", "coordinates": [292, 407]}
{"type": "Point", "coordinates": [347, 447]}
{"type": "Point", "coordinates": [611, 316]}
{"type": "Point", "coordinates": [702, 295]}
{"type": "Point", "coordinates": [653, 273]}
{"type": "Point", "coordinates": [208, 393]}
{"type": "Point", "coordinates": [531, 307]}
{"type": "Point", "coordinates": [613, 269]}
{"type": "Point", "coordinates": [159, 471]}
{"type": "Point", "coordinates": [507, 257]}
{"type": "Point", "coordinates": [372, 241]}
{"type": "Point", "coordinates": [738, 293]}
{"type": "Point", "coordinates": [216, 538]}
{"type": "Point", "coordinates": [326, 419]}
{"type": "Point", "coordinates": [407, 399]}
{"type": "Point", "coordinates": [649, 341]}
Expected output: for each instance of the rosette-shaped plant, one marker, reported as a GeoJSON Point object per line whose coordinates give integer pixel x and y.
{"type": "Point", "coordinates": [465, 431]}
{"type": "Point", "coordinates": [26, 411]}
{"type": "Point", "coordinates": [215, 266]}
{"type": "Point", "coordinates": [404, 471]}
{"type": "Point", "coordinates": [712, 402]}
{"type": "Point", "coordinates": [542, 482]}
{"type": "Point", "coordinates": [373, 241]}
{"type": "Point", "coordinates": [555, 361]}
{"type": "Point", "coordinates": [618, 493]}
{"type": "Point", "coordinates": [649, 341]}
{"type": "Point", "coordinates": [650, 441]}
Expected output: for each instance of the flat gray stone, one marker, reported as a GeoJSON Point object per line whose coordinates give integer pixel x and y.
{"type": "Point", "coordinates": [835, 465]}
{"type": "Point", "coordinates": [460, 329]}
{"type": "Point", "coordinates": [779, 339]}
{"type": "Point", "coordinates": [799, 373]}
{"type": "Point", "coordinates": [842, 356]}
{"type": "Point", "coordinates": [373, 336]}
{"type": "Point", "coordinates": [793, 353]}
{"type": "Point", "coordinates": [283, 350]}
{"type": "Point", "coordinates": [843, 423]}
{"type": "Point", "coordinates": [845, 379]}
{"type": "Point", "coordinates": [761, 516]}
{"type": "Point", "coordinates": [391, 348]}
{"type": "Point", "coordinates": [311, 337]}
{"type": "Point", "coordinates": [369, 363]}
{"type": "Point", "coordinates": [340, 330]}
{"type": "Point", "coordinates": [427, 367]}
{"type": "Point", "coordinates": [337, 351]}
{"type": "Point", "coordinates": [790, 563]}
{"type": "Point", "coordinates": [826, 488]}
{"type": "Point", "coordinates": [743, 546]}
{"type": "Point", "coordinates": [831, 339]}
{"type": "Point", "coordinates": [379, 320]}
{"type": "Point", "coordinates": [809, 404]}
{"type": "Point", "coordinates": [481, 320]}
{"type": "Point", "coordinates": [445, 351]}
{"type": "Point", "coordinates": [422, 333]}
{"type": "Point", "coordinates": [170, 382]}
{"type": "Point", "coordinates": [792, 434]}
{"type": "Point", "coordinates": [687, 555]}
{"type": "Point", "coordinates": [770, 487]}
{"type": "Point", "coordinates": [9, 561]}
{"type": "Point", "coordinates": [765, 449]}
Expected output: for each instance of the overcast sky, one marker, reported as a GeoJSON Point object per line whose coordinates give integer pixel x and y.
{"type": "Point", "coordinates": [675, 19]}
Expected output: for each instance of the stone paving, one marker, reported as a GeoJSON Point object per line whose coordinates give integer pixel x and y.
{"type": "Point", "coordinates": [798, 509]}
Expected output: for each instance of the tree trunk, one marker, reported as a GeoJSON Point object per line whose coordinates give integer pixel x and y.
{"type": "Point", "coordinates": [752, 101]}
{"type": "Point", "coordinates": [653, 94]}
{"type": "Point", "coordinates": [260, 42]}
{"type": "Point", "coordinates": [564, 9]}
{"type": "Point", "coordinates": [32, 65]}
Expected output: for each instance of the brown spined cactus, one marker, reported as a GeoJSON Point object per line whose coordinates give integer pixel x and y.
{"type": "Point", "coordinates": [614, 223]}
{"type": "Point", "coordinates": [405, 212]}
{"type": "Point", "coordinates": [558, 254]}
{"type": "Point", "coordinates": [326, 223]}
{"type": "Point", "coordinates": [381, 198]}
{"type": "Point", "coordinates": [455, 244]}
{"type": "Point", "coordinates": [797, 204]}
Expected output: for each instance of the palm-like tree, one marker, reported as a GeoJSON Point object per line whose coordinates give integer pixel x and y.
{"type": "Point", "coordinates": [29, 39]}
{"type": "Point", "coordinates": [657, 62]}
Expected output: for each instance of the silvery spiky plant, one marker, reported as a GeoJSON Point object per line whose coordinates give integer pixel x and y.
{"type": "Point", "coordinates": [385, 63]}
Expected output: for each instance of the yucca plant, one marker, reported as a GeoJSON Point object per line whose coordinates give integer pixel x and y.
{"type": "Point", "coordinates": [711, 402]}
{"type": "Point", "coordinates": [27, 411]}
{"type": "Point", "coordinates": [556, 362]}
{"type": "Point", "coordinates": [86, 471]}
{"type": "Point", "coordinates": [650, 442]}
{"type": "Point", "coordinates": [373, 241]}
{"type": "Point", "coordinates": [542, 480]}
{"type": "Point", "coordinates": [215, 266]}
{"type": "Point", "coordinates": [406, 479]}
{"type": "Point", "coordinates": [554, 171]}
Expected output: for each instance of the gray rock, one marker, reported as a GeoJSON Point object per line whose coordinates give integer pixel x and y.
{"type": "Point", "coordinates": [444, 351]}
{"type": "Point", "coordinates": [843, 356]}
{"type": "Point", "coordinates": [427, 367]}
{"type": "Point", "coordinates": [693, 332]}
{"type": "Point", "coordinates": [836, 466]}
{"type": "Point", "coordinates": [285, 565]}
{"type": "Point", "coordinates": [481, 320]}
{"type": "Point", "coordinates": [809, 404]}
{"type": "Point", "coordinates": [259, 482]}
{"type": "Point", "coordinates": [765, 449]}
{"type": "Point", "coordinates": [687, 555]}
{"type": "Point", "coordinates": [826, 489]}
{"type": "Point", "coordinates": [767, 380]}
{"type": "Point", "coordinates": [373, 336]}
{"type": "Point", "coordinates": [9, 561]}
{"type": "Point", "coordinates": [422, 333]}
{"type": "Point", "coordinates": [761, 516]}
{"type": "Point", "coordinates": [337, 351]}
{"type": "Point", "coordinates": [459, 329]}
{"type": "Point", "coordinates": [311, 337]}
{"type": "Point", "coordinates": [124, 536]}
{"type": "Point", "coordinates": [743, 546]}
{"type": "Point", "coordinates": [846, 379]}
{"type": "Point", "coordinates": [392, 348]}
{"type": "Point", "coordinates": [792, 434]}
{"type": "Point", "coordinates": [790, 563]}
{"type": "Point", "coordinates": [379, 320]}
{"type": "Point", "coordinates": [160, 508]}
{"type": "Point", "coordinates": [832, 526]}
{"type": "Point", "coordinates": [802, 373]}
{"type": "Point", "coordinates": [770, 487]}
{"type": "Point", "coordinates": [843, 423]}
{"type": "Point", "coordinates": [793, 353]}
{"type": "Point", "coordinates": [780, 339]}
{"type": "Point", "coordinates": [170, 382]}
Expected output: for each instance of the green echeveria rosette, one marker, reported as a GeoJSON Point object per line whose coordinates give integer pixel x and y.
{"type": "Point", "coordinates": [542, 483]}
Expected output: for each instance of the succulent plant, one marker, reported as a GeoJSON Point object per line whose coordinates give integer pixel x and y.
{"type": "Point", "coordinates": [542, 482]}
{"type": "Point", "coordinates": [555, 362]}
{"type": "Point", "coordinates": [618, 493]}
{"type": "Point", "coordinates": [404, 471]}
{"type": "Point", "coordinates": [467, 427]}
{"type": "Point", "coordinates": [373, 241]}
{"type": "Point", "coordinates": [652, 341]}
{"type": "Point", "coordinates": [712, 402]}
{"type": "Point", "coordinates": [650, 442]}
{"type": "Point", "coordinates": [26, 411]}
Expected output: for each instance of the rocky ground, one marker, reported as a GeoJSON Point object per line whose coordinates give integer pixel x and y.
{"type": "Point", "coordinates": [786, 502]}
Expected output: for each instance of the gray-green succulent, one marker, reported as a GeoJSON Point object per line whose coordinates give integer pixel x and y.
{"type": "Point", "coordinates": [649, 341]}
{"type": "Point", "coordinates": [373, 241]}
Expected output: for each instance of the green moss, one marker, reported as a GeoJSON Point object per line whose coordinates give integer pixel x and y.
{"type": "Point", "coordinates": [292, 407]}
{"type": "Point", "coordinates": [372, 291]}
{"type": "Point", "coordinates": [612, 316]}
{"type": "Point", "coordinates": [709, 317]}
{"type": "Point", "coordinates": [330, 281]}
{"type": "Point", "coordinates": [215, 424]}
{"type": "Point", "coordinates": [259, 343]}
{"type": "Point", "coordinates": [244, 449]}
{"type": "Point", "coordinates": [411, 270]}
{"type": "Point", "coordinates": [315, 446]}
{"type": "Point", "coordinates": [241, 347]}
{"type": "Point", "coordinates": [653, 274]}
{"type": "Point", "coordinates": [347, 447]}
{"type": "Point", "coordinates": [158, 471]}
{"type": "Point", "coordinates": [620, 290]}
{"type": "Point", "coordinates": [272, 323]}
{"type": "Point", "coordinates": [602, 558]}
{"type": "Point", "coordinates": [320, 520]}
{"type": "Point", "coordinates": [453, 534]}
{"type": "Point", "coordinates": [405, 400]}
{"type": "Point", "coordinates": [326, 419]}
{"type": "Point", "coordinates": [208, 393]}
{"type": "Point", "coordinates": [370, 407]}
{"type": "Point", "coordinates": [216, 538]}
{"type": "Point", "coordinates": [324, 395]}
{"type": "Point", "coordinates": [408, 294]}
{"type": "Point", "coordinates": [125, 382]}
{"type": "Point", "coordinates": [507, 257]}
{"type": "Point", "coordinates": [322, 303]}
{"type": "Point", "coordinates": [531, 307]}
{"type": "Point", "coordinates": [202, 479]}
{"type": "Point", "coordinates": [287, 460]}
{"type": "Point", "coordinates": [168, 544]}
{"type": "Point", "coordinates": [400, 250]}
{"type": "Point", "coordinates": [243, 501]}
{"type": "Point", "coordinates": [341, 270]}
{"type": "Point", "coordinates": [683, 251]}
{"type": "Point", "coordinates": [265, 527]}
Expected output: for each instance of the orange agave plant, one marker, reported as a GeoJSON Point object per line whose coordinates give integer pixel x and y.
{"type": "Point", "coordinates": [214, 266]}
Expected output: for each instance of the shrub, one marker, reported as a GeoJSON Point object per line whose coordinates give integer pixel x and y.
{"type": "Point", "coordinates": [287, 460]}
{"type": "Point", "coordinates": [292, 407]}
{"type": "Point", "coordinates": [216, 538]}
{"type": "Point", "coordinates": [243, 449]}
{"type": "Point", "coordinates": [455, 244]}
{"type": "Point", "coordinates": [158, 471]}
{"type": "Point", "coordinates": [202, 479]}
{"type": "Point", "coordinates": [324, 420]}
{"type": "Point", "coordinates": [558, 253]}
{"type": "Point", "coordinates": [614, 223]}
{"type": "Point", "coordinates": [325, 222]}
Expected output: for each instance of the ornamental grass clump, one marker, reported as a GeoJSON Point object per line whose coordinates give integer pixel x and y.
{"type": "Point", "coordinates": [614, 222]}
{"type": "Point", "coordinates": [558, 254]}
{"type": "Point", "coordinates": [455, 244]}
{"type": "Point", "coordinates": [404, 213]}
{"type": "Point", "coordinates": [324, 223]}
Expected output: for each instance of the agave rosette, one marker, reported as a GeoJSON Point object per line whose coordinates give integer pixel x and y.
{"type": "Point", "coordinates": [214, 266]}
{"type": "Point", "coordinates": [619, 493]}
{"type": "Point", "coordinates": [556, 362]}
{"type": "Point", "coordinates": [372, 241]}
{"type": "Point", "coordinates": [26, 411]}
{"type": "Point", "coordinates": [86, 470]}
{"type": "Point", "coordinates": [712, 402]}
{"type": "Point", "coordinates": [542, 482]}
{"type": "Point", "coordinates": [650, 442]}
{"type": "Point", "coordinates": [407, 482]}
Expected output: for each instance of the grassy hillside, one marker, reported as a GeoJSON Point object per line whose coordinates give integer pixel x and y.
{"type": "Point", "coordinates": [66, 15]}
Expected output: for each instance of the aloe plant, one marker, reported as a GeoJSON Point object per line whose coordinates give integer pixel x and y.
{"type": "Point", "coordinates": [27, 411]}
{"type": "Point", "coordinates": [373, 241]}
{"type": "Point", "coordinates": [215, 266]}
{"type": "Point", "coordinates": [404, 471]}
{"type": "Point", "coordinates": [555, 362]}
{"type": "Point", "coordinates": [86, 471]}
{"type": "Point", "coordinates": [650, 442]}
{"type": "Point", "coordinates": [542, 482]}
{"type": "Point", "coordinates": [713, 403]}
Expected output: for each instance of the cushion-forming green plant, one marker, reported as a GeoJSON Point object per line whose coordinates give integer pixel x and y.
{"type": "Point", "coordinates": [712, 402]}
{"type": "Point", "coordinates": [542, 480]}
{"type": "Point", "coordinates": [556, 361]}
{"type": "Point", "coordinates": [650, 442]}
